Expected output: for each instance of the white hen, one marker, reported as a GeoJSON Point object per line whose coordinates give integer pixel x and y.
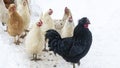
{"type": "Point", "coordinates": [23, 9]}
{"type": "Point", "coordinates": [68, 28]}
{"type": "Point", "coordinates": [48, 22]}
{"type": "Point", "coordinates": [35, 40]}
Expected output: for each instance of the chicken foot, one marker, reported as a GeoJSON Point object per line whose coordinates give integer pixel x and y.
{"type": "Point", "coordinates": [17, 42]}
{"type": "Point", "coordinates": [35, 58]}
{"type": "Point", "coordinates": [3, 23]}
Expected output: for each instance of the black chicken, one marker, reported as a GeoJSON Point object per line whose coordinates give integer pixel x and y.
{"type": "Point", "coordinates": [72, 49]}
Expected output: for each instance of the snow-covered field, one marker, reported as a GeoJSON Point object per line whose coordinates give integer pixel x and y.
{"type": "Point", "coordinates": [105, 24]}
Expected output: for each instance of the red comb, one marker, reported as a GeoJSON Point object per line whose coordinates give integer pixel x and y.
{"type": "Point", "coordinates": [39, 23]}
{"type": "Point", "coordinates": [50, 11]}
{"type": "Point", "coordinates": [70, 19]}
{"type": "Point", "coordinates": [66, 7]}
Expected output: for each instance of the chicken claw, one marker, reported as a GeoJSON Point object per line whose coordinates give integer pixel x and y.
{"type": "Point", "coordinates": [35, 58]}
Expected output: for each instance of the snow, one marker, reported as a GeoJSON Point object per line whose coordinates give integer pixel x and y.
{"type": "Point", "coordinates": [104, 53]}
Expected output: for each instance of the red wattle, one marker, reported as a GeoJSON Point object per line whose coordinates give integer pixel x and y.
{"type": "Point", "coordinates": [85, 25]}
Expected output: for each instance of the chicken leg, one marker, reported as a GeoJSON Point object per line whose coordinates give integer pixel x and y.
{"type": "Point", "coordinates": [79, 63]}
{"type": "Point", "coordinates": [15, 39]}
{"type": "Point", "coordinates": [23, 36]}
{"type": "Point", "coordinates": [73, 65]}
{"type": "Point", "coordinates": [18, 42]}
{"type": "Point", "coordinates": [45, 47]}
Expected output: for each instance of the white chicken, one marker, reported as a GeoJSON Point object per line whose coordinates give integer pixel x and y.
{"type": "Point", "coordinates": [23, 9]}
{"type": "Point", "coordinates": [15, 25]}
{"type": "Point", "coordinates": [3, 13]}
{"type": "Point", "coordinates": [35, 40]}
{"type": "Point", "coordinates": [59, 24]}
{"type": "Point", "coordinates": [48, 23]}
{"type": "Point", "coordinates": [67, 30]}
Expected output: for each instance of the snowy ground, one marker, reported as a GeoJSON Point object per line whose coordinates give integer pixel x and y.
{"type": "Point", "coordinates": [105, 24]}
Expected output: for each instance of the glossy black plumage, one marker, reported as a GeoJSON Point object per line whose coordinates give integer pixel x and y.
{"type": "Point", "coordinates": [72, 49]}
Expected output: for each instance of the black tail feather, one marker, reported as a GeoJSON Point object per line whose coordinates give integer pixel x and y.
{"type": "Point", "coordinates": [52, 34]}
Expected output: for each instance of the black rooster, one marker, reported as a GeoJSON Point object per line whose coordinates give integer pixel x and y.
{"type": "Point", "coordinates": [72, 49]}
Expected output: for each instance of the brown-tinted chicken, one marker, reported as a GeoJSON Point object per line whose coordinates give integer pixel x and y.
{"type": "Point", "coordinates": [15, 24]}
